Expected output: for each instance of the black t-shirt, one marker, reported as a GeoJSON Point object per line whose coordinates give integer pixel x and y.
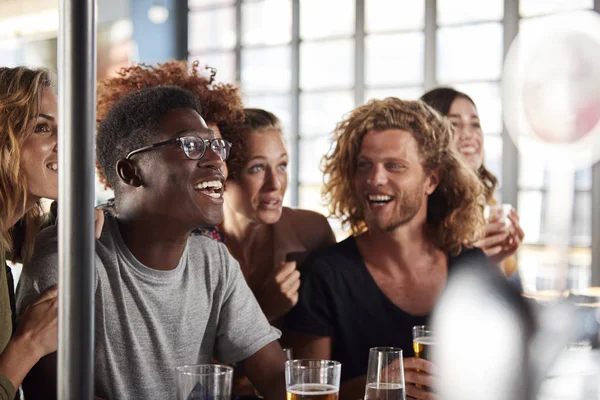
{"type": "Point", "coordinates": [340, 299]}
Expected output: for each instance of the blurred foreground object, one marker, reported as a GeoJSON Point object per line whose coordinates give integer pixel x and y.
{"type": "Point", "coordinates": [551, 89]}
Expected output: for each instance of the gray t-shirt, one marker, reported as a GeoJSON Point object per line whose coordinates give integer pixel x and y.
{"type": "Point", "coordinates": [148, 321]}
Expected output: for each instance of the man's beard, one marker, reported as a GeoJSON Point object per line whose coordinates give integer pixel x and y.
{"type": "Point", "coordinates": [406, 206]}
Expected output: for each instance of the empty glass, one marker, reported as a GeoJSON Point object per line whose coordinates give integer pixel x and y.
{"type": "Point", "coordinates": [385, 374]}
{"type": "Point", "coordinates": [204, 382]}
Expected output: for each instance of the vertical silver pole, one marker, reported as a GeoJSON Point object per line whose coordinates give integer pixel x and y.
{"type": "Point", "coordinates": [294, 185]}
{"type": "Point", "coordinates": [77, 103]}
{"type": "Point", "coordinates": [359, 53]}
{"type": "Point", "coordinates": [510, 154]}
{"type": "Point", "coordinates": [430, 44]}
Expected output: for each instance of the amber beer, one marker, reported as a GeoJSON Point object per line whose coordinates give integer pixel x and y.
{"type": "Point", "coordinates": [422, 347]}
{"type": "Point", "coordinates": [312, 391]}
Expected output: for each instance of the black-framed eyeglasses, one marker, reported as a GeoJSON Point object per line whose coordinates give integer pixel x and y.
{"type": "Point", "coordinates": [194, 147]}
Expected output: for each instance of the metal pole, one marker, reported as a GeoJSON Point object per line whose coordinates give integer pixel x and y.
{"type": "Point", "coordinates": [430, 44]}
{"type": "Point", "coordinates": [359, 53]}
{"type": "Point", "coordinates": [295, 93]}
{"type": "Point", "coordinates": [77, 93]}
{"type": "Point", "coordinates": [510, 154]}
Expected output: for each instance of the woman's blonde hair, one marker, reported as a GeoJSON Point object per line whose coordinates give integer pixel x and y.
{"type": "Point", "coordinates": [20, 96]}
{"type": "Point", "coordinates": [454, 209]}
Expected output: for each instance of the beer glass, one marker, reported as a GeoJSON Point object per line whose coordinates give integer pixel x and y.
{"type": "Point", "coordinates": [312, 379]}
{"type": "Point", "coordinates": [423, 341]}
{"type": "Point", "coordinates": [204, 382]}
{"type": "Point", "coordinates": [385, 374]}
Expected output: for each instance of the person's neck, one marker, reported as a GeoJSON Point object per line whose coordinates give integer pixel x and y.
{"type": "Point", "coordinates": [155, 241]}
{"type": "Point", "coordinates": [31, 200]}
{"type": "Point", "coordinates": [400, 249]}
{"type": "Point", "coordinates": [244, 236]}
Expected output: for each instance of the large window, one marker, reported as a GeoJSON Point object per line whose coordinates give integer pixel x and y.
{"type": "Point", "coordinates": [346, 52]}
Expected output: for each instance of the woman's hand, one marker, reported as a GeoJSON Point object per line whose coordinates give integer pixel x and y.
{"type": "Point", "coordinates": [38, 327]}
{"type": "Point", "coordinates": [280, 293]}
{"type": "Point", "coordinates": [501, 242]}
{"type": "Point", "coordinates": [99, 222]}
{"type": "Point", "coordinates": [418, 375]}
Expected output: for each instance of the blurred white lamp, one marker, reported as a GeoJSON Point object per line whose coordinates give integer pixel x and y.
{"type": "Point", "coordinates": [158, 13]}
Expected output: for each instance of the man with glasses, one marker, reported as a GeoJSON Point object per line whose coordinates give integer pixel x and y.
{"type": "Point", "coordinates": [163, 298]}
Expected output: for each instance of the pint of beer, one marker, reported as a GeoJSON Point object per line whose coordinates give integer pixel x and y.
{"type": "Point", "coordinates": [312, 379]}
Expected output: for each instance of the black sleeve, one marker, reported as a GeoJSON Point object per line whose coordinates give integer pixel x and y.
{"type": "Point", "coordinates": [314, 313]}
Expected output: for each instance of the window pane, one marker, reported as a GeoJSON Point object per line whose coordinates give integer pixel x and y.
{"type": "Point", "coordinates": [312, 151]}
{"type": "Point", "coordinates": [267, 69]}
{"type": "Point", "coordinates": [223, 62]}
{"type": "Point", "coordinates": [532, 174]}
{"type": "Point", "coordinates": [280, 105]}
{"type": "Point", "coordinates": [320, 18]}
{"type": "Point", "coordinates": [530, 214]}
{"type": "Point", "coordinates": [469, 53]}
{"type": "Point", "coordinates": [214, 29]}
{"type": "Point", "coordinates": [204, 3]}
{"type": "Point", "coordinates": [395, 59]}
{"type": "Point", "coordinates": [583, 179]}
{"type": "Point", "coordinates": [309, 198]}
{"type": "Point", "coordinates": [327, 64]}
{"type": "Point", "coordinates": [461, 11]}
{"type": "Point", "coordinates": [582, 216]}
{"type": "Point", "coordinates": [320, 112]}
{"type": "Point", "coordinates": [405, 93]}
{"type": "Point", "coordinates": [529, 8]}
{"type": "Point", "coordinates": [390, 15]}
{"type": "Point", "coordinates": [493, 155]}
{"type": "Point", "coordinates": [489, 104]}
{"type": "Point", "coordinates": [267, 22]}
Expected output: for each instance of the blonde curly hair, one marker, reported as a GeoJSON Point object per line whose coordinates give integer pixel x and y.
{"type": "Point", "coordinates": [454, 209]}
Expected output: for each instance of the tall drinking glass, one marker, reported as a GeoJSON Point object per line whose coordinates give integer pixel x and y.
{"type": "Point", "coordinates": [385, 374]}
{"type": "Point", "coordinates": [204, 382]}
{"type": "Point", "coordinates": [423, 341]}
{"type": "Point", "coordinates": [312, 379]}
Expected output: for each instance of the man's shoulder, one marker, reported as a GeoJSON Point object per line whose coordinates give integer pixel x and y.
{"type": "Point", "coordinates": [337, 257]}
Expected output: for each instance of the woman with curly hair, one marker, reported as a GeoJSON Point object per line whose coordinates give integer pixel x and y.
{"type": "Point", "coordinates": [221, 102]}
{"type": "Point", "coordinates": [29, 159]}
{"type": "Point", "coordinates": [498, 243]}
{"type": "Point", "coordinates": [414, 208]}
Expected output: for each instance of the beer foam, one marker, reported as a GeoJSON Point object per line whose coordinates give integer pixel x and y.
{"type": "Point", "coordinates": [426, 340]}
{"type": "Point", "coordinates": [312, 389]}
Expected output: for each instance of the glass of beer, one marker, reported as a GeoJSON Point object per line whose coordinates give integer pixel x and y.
{"type": "Point", "coordinates": [385, 374]}
{"type": "Point", "coordinates": [312, 379]}
{"type": "Point", "coordinates": [204, 382]}
{"type": "Point", "coordinates": [423, 342]}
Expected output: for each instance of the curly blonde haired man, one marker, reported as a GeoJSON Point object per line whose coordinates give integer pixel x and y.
{"type": "Point", "coordinates": [413, 207]}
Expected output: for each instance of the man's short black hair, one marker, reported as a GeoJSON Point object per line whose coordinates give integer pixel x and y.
{"type": "Point", "coordinates": [133, 123]}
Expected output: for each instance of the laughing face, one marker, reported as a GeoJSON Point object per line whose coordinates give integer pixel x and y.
{"type": "Point", "coordinates": [468, 137]}
{"type": "Point", "coordinates": [187, 191]}
{"type": "Point", "coordinates": [258, 192]}
{"type": "Point", "coordinates": [39, 151]}
{"type": "Point", "coordinates": [390, 181]}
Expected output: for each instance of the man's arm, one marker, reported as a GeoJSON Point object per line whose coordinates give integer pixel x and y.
{"type": "Point", "coordinates": [266, 371]}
